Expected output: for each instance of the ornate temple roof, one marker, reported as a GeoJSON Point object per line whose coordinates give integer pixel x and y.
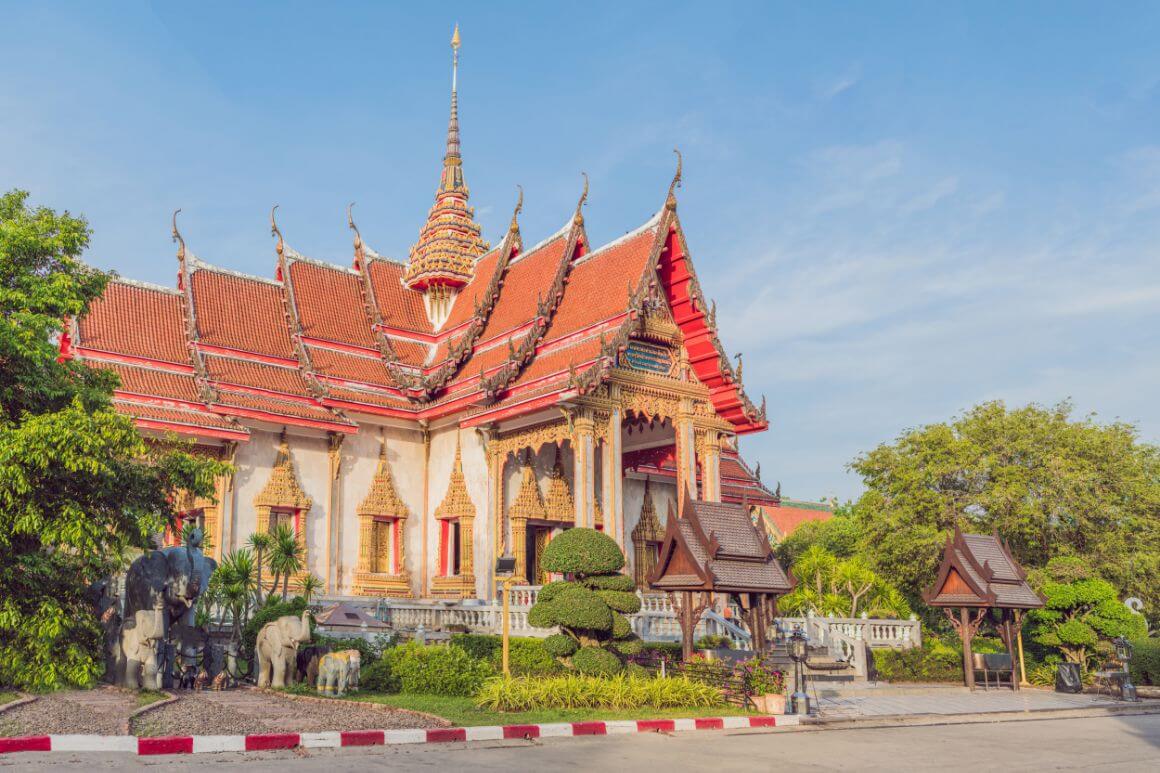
{"type": "Point", "coordinates": [320, 343]}
{"type": "Point", "coordinates": [978, 570]}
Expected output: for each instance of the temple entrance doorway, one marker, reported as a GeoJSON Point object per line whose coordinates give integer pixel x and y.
{"type": "Point", "coordinates": [539, 535]}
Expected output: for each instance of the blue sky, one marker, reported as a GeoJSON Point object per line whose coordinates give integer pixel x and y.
{"type": "Point", "coordinates": [901, 209]}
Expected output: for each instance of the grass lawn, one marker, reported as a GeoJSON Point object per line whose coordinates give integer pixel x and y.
{"type": "Point", "coordinates": [462, 712]}
{"type": "Point", "coordinates": [145, 697]}
{"type": "Point", "coordinates": [7, 696]}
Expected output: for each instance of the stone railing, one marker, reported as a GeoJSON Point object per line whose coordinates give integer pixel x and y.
{"type": "Point", "coordinates": [846, 637]}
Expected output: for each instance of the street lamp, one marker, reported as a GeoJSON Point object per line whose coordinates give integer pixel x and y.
{"type": "Point", "coordinates": [505, 568]}
{"type": "Point", "coordinates": [1124, 654]}
{"type": "Point", "coordinates": [799, 652]}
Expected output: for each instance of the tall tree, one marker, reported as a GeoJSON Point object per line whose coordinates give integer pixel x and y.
{"type": "Point", "coordinates": [78, 484]}
{"type": "Point", "coordinates": [1050, 484]}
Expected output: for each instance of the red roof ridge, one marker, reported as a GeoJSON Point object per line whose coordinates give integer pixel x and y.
{"type": "Point", "coordinates": [652, 222]}
{"type": "Point", "coordinates": [562, 233]}
{"type": "Point", "coordinates": [293, 256]}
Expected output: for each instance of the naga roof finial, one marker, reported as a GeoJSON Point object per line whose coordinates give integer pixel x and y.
{"type": "Point", "coordinates": [177, 237]}
{"type": "Point", "coordinates": [515, 225]}
{"type": "Point", "coordinates": [275, 232]}
{"type": "Point", "coordinates": [671, 201]}
{"type": "Point", "coordinates": [358, 242]}
{"type": "Point", "coordinates": [578, 218]}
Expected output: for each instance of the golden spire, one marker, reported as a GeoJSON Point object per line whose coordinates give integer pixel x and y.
{"type": "Point", "coordinates": [450, 241]}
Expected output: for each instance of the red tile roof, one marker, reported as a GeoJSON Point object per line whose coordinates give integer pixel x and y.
{"type": "Point", "coordinates": [170, 415]}
{"type": "Point", "coordinates": [788, 515]}
{"type": "Point", "coordinates": [398, 306]}
{"type": "Point", "coordinates": [368, 368]}
{"type": "Point", "coordinates": [597, 285]}
{"type": "Point", "coordinates": [138, 321]}
{"type": "Point", "coordinates": [529, 274]}
{"type": "Point", "coordinates": [275, 378]}
{"type": "Point", "coordinates": [227, 400]}
{"type": "Point", "coordinates": [152, 382]}
{"type": "Point", "coordinates": [240, 313]}
{"type": "Point", "coordinates": [330, 304]}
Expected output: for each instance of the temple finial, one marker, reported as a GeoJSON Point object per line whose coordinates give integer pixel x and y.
{"type": "Point", "coordinates": [515, 225]}
{"type": "Point", "coordinates": [453, 123]}
{"type": "Point", "coordinates": [358, 243]}
{"type": "Point", "coordinates": [275, 232]}
{"type": "Point", "coordinates": [177, 236]}
{"type": "Point", "coordinates": [578, 218]}
{"type": "Point", "coordinates": [671, 201]}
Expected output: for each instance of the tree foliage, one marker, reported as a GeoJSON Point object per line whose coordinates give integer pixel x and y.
{"type": "Point", "coordinates": [589, 608]}
{"type": "Point", "coordinates": [78, 484]}
{"type": "Point", "coordinates": [842, 587]}
{"type": "Point", "coordinates": [1050, 484]}
{"type": "Point", "coordinates": [840, 535]}
{"type": "Point", "coordinates": [1081, 612]}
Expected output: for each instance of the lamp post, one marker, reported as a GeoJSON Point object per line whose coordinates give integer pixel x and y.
{"type": "Point", "coordinates": [505, 567]}
{"type": "Point", "coordinates": [1124, 654]}
{"type": "Point", "coordinates": [799, 652]}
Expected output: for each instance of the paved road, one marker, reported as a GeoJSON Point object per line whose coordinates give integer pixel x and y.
{"type": "Point", "coordinates": [1105, 743]}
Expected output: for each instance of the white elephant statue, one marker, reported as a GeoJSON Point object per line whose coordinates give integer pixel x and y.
{"type": "Point", "coordinates": [139, 640]}
{"type": "Point", "coordinates": [338, 672]}
{"type": "Point", "coordinates": [277, 649]}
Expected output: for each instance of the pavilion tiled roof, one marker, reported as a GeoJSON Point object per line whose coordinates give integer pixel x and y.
{"type": "Point", "coordinates": [151, 381]}
{"type": "Point", "coordinates": [329, 304]}
{"type": "Point", "coordinates": [715, 546]}
{"type": "Point", "coordinates": [978, 570]}
{"type": "Point", "coordinates": [399, 307]}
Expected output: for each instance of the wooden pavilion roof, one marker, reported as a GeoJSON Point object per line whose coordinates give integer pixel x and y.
{"type": "Point", "coordinates": [978, 570]}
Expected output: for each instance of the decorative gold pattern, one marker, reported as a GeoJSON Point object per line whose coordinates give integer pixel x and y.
{"type": "Point", "coordinates": [559, 504]}
{"type": "Point", "coordinates": [457, 505]}
{"type": "Point", "coordinates": [382, 519]}
{"type": "Point", "coordinates": [283, 489]}
{"type": "Point", "coordinates": [646, 536]}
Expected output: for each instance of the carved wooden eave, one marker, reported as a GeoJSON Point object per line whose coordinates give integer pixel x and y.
{"type": "Point", "coordinates": [528, 504]}
{"type": "Point", "coordinates": [283, 488]}
{"type": "Point", "coordinates": [456, 502]}
{"type": "Point", "coordinates": [286, 256]}
{"type": "Point", "coordinates": [382, 499]}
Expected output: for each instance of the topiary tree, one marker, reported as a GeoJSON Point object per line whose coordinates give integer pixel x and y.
{"type": "Point", "coordinates": [1082, 611]}
{"type": "Point", "coordinates": [590, 606]}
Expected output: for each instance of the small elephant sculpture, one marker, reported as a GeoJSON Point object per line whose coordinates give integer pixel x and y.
{"type": "Point", "coordinates": [277, 649]}
{"type": "Point", "coordinates": [308, 659]}
{"type": "Point", "coordinates": [338, 671]}
{"type": "Point", "coordinates": [139, 640]}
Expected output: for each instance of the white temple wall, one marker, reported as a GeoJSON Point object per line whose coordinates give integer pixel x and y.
{"type": "Point", "coordinates": [663, 492]}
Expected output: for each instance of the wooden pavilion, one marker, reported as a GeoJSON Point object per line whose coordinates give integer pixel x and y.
{"type": "Point", "coordinates": [715, 547]}
{"type": "Point", "coordinates": [979, 576]}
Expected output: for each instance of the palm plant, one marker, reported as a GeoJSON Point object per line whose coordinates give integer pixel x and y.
{"type": "Point", "coordinates": [236, 583]}
{"type": "Point", "coordinates": [311, 585]}
{"type": "Point", "coordinates": [286, 556]}
{"type": "Point", "coordinates": [260, 543]}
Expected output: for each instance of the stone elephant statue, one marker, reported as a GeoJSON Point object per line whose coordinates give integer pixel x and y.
{"type": "Point", "coordinates": [277, 649]}
{"type": "Point", "coordinates": [140, 637]}
{"type": "Point", "coordinates": [338, 672]}
{"type": "Point", "coordinates": [308, 658]}
{"type": "Point", "coordinates": [175, 575]}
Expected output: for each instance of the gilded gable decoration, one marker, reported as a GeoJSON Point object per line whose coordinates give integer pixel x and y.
{"type": "Point", "coordinates": [456, 507]}
{"type": "Point", "coordinates": [382, 568]}
{"type": "Point", "coordinates": [529, 503]}
{"type": "Point", "coordinates": [647, 536]}
{"type": "Point", "coordinates": [283, 488]}
{"type": "Point", "coordinates": [559, 505]}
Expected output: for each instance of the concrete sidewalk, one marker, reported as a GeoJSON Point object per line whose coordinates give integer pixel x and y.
{"type": "Point", "coordinates": [905, 700]}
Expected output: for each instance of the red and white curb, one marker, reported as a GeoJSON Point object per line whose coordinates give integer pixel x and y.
{"type": "Point", "coordinates": [195, 744]}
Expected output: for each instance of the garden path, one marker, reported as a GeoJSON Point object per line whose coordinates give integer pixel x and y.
{"type": "Point", "coordinates": [103, 710]}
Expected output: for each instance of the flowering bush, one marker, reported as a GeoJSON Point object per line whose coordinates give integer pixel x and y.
{"type": "Point", "coordinates": [761, 679]}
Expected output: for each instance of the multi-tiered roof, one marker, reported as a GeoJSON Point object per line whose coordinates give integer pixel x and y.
{"type": "Point", "coordinates": [519, 328]}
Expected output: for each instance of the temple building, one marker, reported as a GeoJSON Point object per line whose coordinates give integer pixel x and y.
{"type": "Point", "coordinates": [413, 420]}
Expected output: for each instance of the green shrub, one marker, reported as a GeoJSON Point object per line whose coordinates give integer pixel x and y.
{"type": "Point", "coordinates": [379, 677]}
{"type": "Point", "coordinates": [620, 601]}
{"type": "Point", "coordinates": [527, 657]}
{"type": "Point", "coordinates": [479, 645]}
{"type": "Point", "coordinates": [573, 691]}
{"type": "Point", "coordinates": [560, 645]}
{"type": "Point", "coordinates": [933, 662]}
{"type": "Point", "coordinates": [714, 641]}
{"type": "Point", "coordinates": [369, 651]}
{"type": "Point", "coordinates": [1145, 665]}
{"type": "Point", "coordinates": [671, 649]}
{"type": "Point", "coordinates": [637, 671]}
{"type": "Point", "coordinates": [435, 669]}
{"type": "Point", "coordinates": [630, 646]}
{"type": "Point", "coordinates": [583, 552]}
{"type": "Point", "coordinates": [595, 661]}
{"type": "Point", "coordinates": [615, 582]}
